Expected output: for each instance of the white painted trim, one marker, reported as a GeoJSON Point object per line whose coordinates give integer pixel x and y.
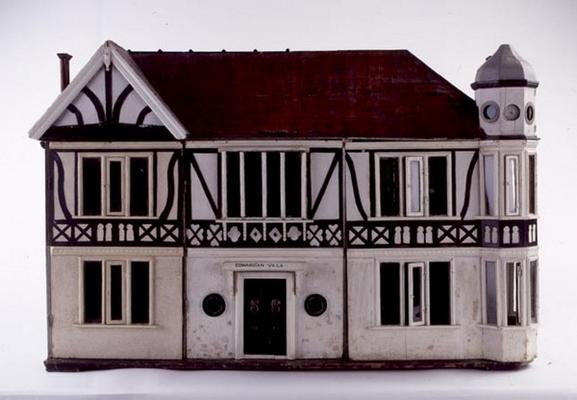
{"type": "Point", "coordinates": [130, 71]}
{"type": "Point", "coordinates": [113, 145]}
{"type": "Point", "coordinates": [113, 251]}
{"type": "Point", "coordinates": [290, 313]}
{"type": "Point", "coordinates": [409, 185]}
{"type": "Point", "coordinates": [512, 181]}
{"type": "Point", "coordinates": [263, 145]}
{"type": "Point", "coordinates": [266, 254]}
{"type": "Point", "coordinates": [411, 295]}
{"type": "Point", "coordinates": [396, 144]}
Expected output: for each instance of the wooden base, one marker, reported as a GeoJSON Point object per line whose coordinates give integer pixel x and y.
{"type": "Point", "coordinates": [87, 364]}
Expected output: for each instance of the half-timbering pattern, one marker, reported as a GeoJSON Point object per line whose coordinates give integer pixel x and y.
{"type": "Point", "coordinates": [340, 209]}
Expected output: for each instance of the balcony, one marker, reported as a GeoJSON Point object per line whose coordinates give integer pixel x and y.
{"type": "Point", "coordinates": [114, 232]}
{"type": "Point", "coordinates": [442, 233]}
{"type": "Point", "coordinates": [268, 233]}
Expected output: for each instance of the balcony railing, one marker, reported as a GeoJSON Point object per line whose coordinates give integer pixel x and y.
{"type": "Point", "coordinates": [115, 232]}
{"type": "Point", "coordinates": [205, 233]}
{"type": "Point", "coordinates": [442, 233]}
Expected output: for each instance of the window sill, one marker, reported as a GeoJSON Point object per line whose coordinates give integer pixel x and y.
{"type": "Point", "coordinates": [418, 327]}
{"type": "Point", "coordinates": [417, 217]}
{"type": "Point", "coordinates": [122, 326]}
{"type": "Point", "coordinates": [510, 328]}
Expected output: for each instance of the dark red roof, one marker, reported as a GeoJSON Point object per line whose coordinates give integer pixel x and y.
{"type": "Point", "coordinates": [316, 94]}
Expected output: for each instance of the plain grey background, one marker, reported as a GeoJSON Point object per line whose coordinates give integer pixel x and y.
{"type": "Point", "coordinates": [452, 37]}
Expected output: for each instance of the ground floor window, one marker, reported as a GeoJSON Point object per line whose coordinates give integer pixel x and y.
{"type": "Point", "coordinates": [510, 290]}
{"type": "Point", "coordinates": [415, 293]}
{"type": "Point", "coordinates": [115, 292]}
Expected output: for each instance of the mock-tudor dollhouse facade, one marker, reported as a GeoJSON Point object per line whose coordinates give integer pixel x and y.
{"type": "Point", "coordinates": [336, 209]}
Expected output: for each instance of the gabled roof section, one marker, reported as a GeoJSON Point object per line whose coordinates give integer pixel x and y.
{"type": "Point", "coordinates": [109, 56]}
{"type": "Point", "coordinates": [309, 94]}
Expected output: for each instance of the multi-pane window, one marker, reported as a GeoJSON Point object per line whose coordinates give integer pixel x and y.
{"type": "Point", "coordinates": [264, 184]}
{"type": "Point", "coordinates": [489, 201]}
{"type": "Point", "coordinates": [415, 293]}
{"type": "Point", "coordinates": [115, 292]}
{"type": "Point", "coordinates": [512, 185]}
{"type": "Point", "coordinates": [115, 185]}
{"type": "Point", "coordinates": [532, 183]}
{"type": "Point", "coordinates": [412, 185]}
{"type": "Point", "coordinates": [519, 285]}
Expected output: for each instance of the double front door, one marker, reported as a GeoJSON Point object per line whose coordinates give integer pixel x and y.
{"type": "Point", "coordinates": [265, 316]}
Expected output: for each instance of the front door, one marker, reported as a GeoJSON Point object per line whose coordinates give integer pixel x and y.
{"type": "Point", "coordinates": [264, 313]}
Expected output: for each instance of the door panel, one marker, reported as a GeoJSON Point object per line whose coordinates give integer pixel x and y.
{"type": "Point", "coordinates": [265, 317]}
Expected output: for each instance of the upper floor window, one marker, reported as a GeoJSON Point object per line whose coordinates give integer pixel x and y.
{"type": "Point", "coordinates": [489, 189]}
{"type": "Point", "coordinates": [115, 185]}
{"type": "Point", "coordinates": [532, 183]}
{"type": "Point", "coordinates": [115, 292]}
{"type": "Point", "coordinates": [412, 185]}
{"type": "Point", "coordinates": [264, 184]}
{"type": "Point", "coordinates": [512, 185]}
{"type": "Point", "coordinates": [415, 293]}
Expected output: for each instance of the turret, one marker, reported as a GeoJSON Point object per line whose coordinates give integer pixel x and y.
{"type": "Point", "coordinates": [505, 94]}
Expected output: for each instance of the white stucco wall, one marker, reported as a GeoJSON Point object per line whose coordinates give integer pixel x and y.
{"type": "Point", "coordinates": [215, 271]}
{"type": "Point", "coordinates": [162, 339]}
{"type": "Point", "coordinates": [466, 338]}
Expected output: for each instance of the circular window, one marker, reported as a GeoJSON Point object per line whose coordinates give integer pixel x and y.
{"type": "Point", "coordinates": [315, 305]}
{"type": "Point", "coordinates": [529, 113]}
{"type": "Point", "coordinates": [511, 112]}
{"type": "Point", "coordinates": [213, 305]}
{"type": "Point", "coordinates": [490, 111]}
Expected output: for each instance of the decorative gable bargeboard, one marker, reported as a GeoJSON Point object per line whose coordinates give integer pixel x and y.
{"type": "Point", "coordinates": [335, 209]}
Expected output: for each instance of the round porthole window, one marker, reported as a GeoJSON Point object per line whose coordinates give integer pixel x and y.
{"type": "Point", "coordinates": [529, 113]}
{"type": "Point", "coordinates": [490, 111]}
{"type": "Point", "coordinates": [512, 112]}
{"type": "Point", "coordinates": [315, 305]}
{"type": "Point", "coordinates": [213, 305]}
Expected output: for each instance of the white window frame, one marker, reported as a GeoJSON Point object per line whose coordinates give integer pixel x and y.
{"type": "Point", "coordinates": [409, 186]}
{"type": "Point", "coordinates": [508, 201]}
{"type": "Point", "coordinates": [123, 186]}
{"type": "Point", "coordinates": [484, 262]}
{"type": "Point", "coordinates": [528, 191]}
{"type": "Point", "coordinates": [404, 189]}
{"type": "Point", "coordinates": [105, 159]}
{"type": "Point", "coordinates": [495, 184]}
{"type": "Point", "coordinates": [126, 264]}
{"type": "Point", "coordinates": [411, 294]}
{"type": "Point", "coordinates": [108, 292]}
{"type": "Point", "coordinates": [263, 152]}
{"type": "Point", "coordinates": [406, 306]}
{"type": "Point", "coordinates": [521, 291]}
{"type": "Point", "coordinates": [535, 291]}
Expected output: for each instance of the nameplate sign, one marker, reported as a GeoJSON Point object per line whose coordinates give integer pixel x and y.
{"type": "Point", "coordinates": [262, 265]}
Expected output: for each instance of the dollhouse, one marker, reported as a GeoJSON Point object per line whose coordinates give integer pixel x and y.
{"type": "Point", "coordinates": [290, 210]}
